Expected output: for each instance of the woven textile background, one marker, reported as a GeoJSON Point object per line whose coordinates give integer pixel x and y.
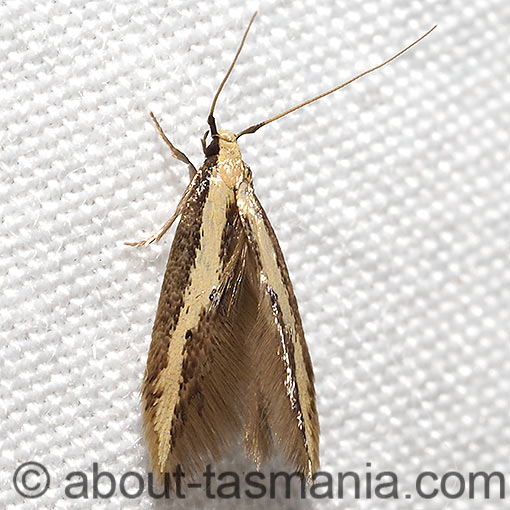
{"type": "Point", "coordinates": [390, 198]}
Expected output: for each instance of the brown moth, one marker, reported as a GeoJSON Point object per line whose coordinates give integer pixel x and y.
{"type": "Point", "coordinates": [228, 356]}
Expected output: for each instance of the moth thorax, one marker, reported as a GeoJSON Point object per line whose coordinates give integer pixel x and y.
{"type": "Point", "coordinates": [230, 163]}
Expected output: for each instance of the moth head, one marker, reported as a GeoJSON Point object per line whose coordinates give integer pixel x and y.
{"type": "Point", "coordinates": [229, 161]}
{"type": "Point", "coordinates": [229, 149]}
{"type": "Point", "coordinates": [227, 136]}
{"type": "Point", "coordinates": [223, 144]}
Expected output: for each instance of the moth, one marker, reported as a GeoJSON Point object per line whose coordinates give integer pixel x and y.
{"type": "Point", "coordinates": [228, 356]}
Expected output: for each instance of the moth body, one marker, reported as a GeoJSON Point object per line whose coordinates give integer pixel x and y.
{"type": "Point", "coordinates": [228, 357]}
{"type": "Point", "coordinates": [230, 164]}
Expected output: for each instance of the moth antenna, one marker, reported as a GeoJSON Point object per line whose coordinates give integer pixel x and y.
{"type": "Point", "coordinates": [210, 118]}
{"type": "Point", "coordinates": [255, 127]}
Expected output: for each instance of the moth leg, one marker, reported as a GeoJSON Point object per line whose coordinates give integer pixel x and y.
{"type": "Point", "coordinates": [164, 229]}
{"type": "Point", "coordinates": [154, 237]}
{"type": "Point", "coordinates": [176, 153]}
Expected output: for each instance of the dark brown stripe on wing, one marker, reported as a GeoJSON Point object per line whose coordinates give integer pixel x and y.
{"type": "Point", "coordinates": [230, 235]}
{"type": "Point", "coordinates": [180, 262]}
{"type": "Point", "coordinates": [292, 298]}
{"type": "Point", "coordinates": [293, 393]}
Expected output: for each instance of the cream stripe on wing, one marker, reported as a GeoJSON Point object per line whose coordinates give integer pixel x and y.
{"type": "Point", "coordinates": [252, 213]}
{"type": "Point", "coordinates": [204, 277]}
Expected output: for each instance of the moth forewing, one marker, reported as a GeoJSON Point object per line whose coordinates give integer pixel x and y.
{"type": "Point", "coordinates": [284, 379]}
{"type": "Point", "coordinates": [194, 379]}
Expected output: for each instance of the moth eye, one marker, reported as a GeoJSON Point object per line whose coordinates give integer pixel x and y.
{"type": "Point", "coordinates": [188, 334]}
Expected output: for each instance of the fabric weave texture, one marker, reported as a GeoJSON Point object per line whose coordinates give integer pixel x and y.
{"type": "Point", "coordinates": [390, 198]}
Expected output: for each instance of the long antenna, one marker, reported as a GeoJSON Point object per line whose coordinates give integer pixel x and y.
{"type": "Point", "coordinates": [255, 127]}
{"type": "Point", "coordinates": [210, 118]}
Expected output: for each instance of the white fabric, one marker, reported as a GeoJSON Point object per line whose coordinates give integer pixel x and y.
{"type": "Point", "coordinates": [390, 199]}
